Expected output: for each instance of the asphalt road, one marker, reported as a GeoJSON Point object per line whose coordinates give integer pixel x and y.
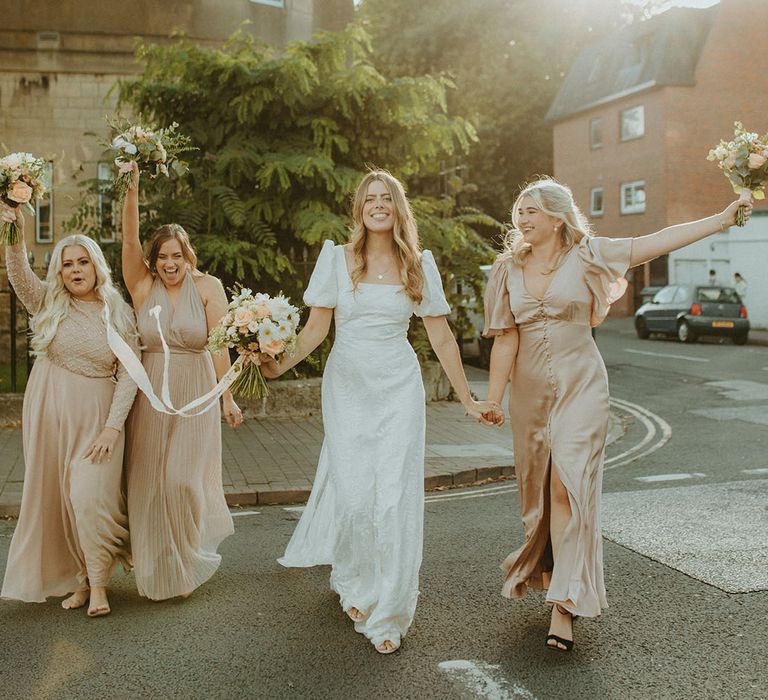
{"type": "Point", "coordinates": [686, 525]}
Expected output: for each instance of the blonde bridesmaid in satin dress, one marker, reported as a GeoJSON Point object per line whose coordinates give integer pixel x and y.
{"type": "Point", "coordinates": [176, 506]}
{"type": "Point", "coordinates": [72, 526]}
{"type": "Point", "coordinates": [551, 285]}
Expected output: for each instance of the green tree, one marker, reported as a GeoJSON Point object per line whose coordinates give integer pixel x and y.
{"type": "Point", "coordinates": [507, 60]}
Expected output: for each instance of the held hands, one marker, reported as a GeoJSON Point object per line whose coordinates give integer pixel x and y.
{"type": "Point", "coordinates": [485, 412]}
{"type": "Point", "coordinates": [232, 413]}
{"type": "Point", "coordinates": [728, 215]}
{"type": "Point", "coordinates": [103, 446]}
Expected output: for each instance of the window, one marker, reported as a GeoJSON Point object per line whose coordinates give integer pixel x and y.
{"type": "Point", "coordinates": [633, 197]}
{"type": "Point", "coordinates": [105, 205]}
{"type": "Point", "coordinates": [596, 201]}
{"type": "Point", "coordinates": [44, 209]}
{"type": "Point", "coordinates": [681, 296]}
{"type": "Point", "coordinates": [632, 123]}
{"type": "Point", "coordinates": [596, 133]}
{"type": "Point", "coordinates": [665, 296]}
{"type": "Point", "coordinates": [271, 3]}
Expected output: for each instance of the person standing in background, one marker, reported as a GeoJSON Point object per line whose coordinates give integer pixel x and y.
{"type": "Point", "coordinates": [712, 280]}
{"type": "Point", "coordinates": [741, 286]}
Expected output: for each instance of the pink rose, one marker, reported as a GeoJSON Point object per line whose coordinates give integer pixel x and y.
{"type": "Point", "coordinates": [274, 347]}
{"type": "Point", "coordinates": [262, 310]}
{"type": "Point", "coordinates": [243, 317]}
{"type": "Point", "coordinates": [20, 193]}
{"type": "Point", "coordinates": [124, 166]}
{"type": "Point", "coordinates": [756, 161]}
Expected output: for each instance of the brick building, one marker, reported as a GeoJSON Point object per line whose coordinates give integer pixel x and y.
{"type": "Point", "coordinates": [59, 59]}
{"type": "Point", "coordinates": [633, 123]}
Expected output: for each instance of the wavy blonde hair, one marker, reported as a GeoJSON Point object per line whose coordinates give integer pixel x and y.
{"type": "Point", "coordinates": [554, 199]}
{"type": "Point", "coordinates": [405, 235]}
{"type": "Point", "coordinates": [56, 302]}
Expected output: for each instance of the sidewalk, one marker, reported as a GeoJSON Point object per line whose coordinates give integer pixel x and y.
{"type": "Point", "coordinates": [273, 460]}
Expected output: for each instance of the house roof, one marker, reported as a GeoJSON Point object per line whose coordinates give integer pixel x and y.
{"type": "Point", "coordinates": [663, 50]}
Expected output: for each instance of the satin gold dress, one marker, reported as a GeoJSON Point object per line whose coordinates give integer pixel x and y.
{"type": "Point", "coordinates": [559, 414]}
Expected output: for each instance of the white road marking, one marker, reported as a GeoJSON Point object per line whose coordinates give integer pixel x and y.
{"type": "Point", "coordinates": [759, 470]}
{"type": "Point", "coordinates": [241, 513]}
{"type": "Point", "coordinates": [670, 477]}
{"type": "Point", "coordinates": [741, 389]}
{"type": "Point", "coordinates": [295, 509]}
{"type": "Point", "coordinates": [484, 680]}
{"type": "Point", "coordinates": [460, 495]}
{"type": "Point", "coordinates": [689, 358]}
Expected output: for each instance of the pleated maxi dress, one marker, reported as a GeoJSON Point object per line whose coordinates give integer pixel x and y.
{"type": "Point", "coordinates": [176, 506]}
{"type": "Point", "coordinates": [73, 526]}
{"type": "Point", "coordinates": [366, 511]}
{"type": "Point", "coordinates": [559, 411]}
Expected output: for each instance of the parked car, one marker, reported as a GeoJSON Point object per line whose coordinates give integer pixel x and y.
{"type": "Point", "coordinates": [690, 311]}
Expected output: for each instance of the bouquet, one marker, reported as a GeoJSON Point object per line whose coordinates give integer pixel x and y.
{"type": "Point", "coordinates": [255, 323]}
{"type": "Point", "coordinates": [155, 150]}
{"type": "Point", "coordinates": [21, 182]}
{"type": "Point", "coordinates": [744, 160]}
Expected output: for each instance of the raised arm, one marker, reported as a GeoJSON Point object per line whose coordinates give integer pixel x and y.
{"type": "Point", "coordinates": [447, 350]}
{"type": "Point", "coordinates": [215, 299]}
{"type": "Point", "coordinates": [138, 278]}
{"type": "Point", "coordinates": [645, 248]}
{"type": "Point", "coordinates": [314, 332]}
{"type": "Point", "coordinates": [28, 286]}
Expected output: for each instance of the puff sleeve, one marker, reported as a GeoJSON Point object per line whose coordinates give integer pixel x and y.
{"type": "Point", "coordinates": [605, 261]}
{"type": "Point", "coordinates": [433, 302]}
{"type": "Point", "coordinates": [498, 312]}
{"type": "Point", "coordinates": [323, 287]}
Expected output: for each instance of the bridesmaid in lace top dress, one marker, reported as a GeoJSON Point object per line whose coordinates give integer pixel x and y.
{"type": "Point", "coordinates": [176, 502]}
{"type": "Point", "coordinates": [72, 525]}
{"type": "Point", "coordinates": [553, 282]}
{"type": "Point", "coordinates": [365, 513]}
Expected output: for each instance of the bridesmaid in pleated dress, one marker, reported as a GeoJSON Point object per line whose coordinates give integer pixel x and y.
{"type": "Point", "coordinates": [552, 283]}
{"type": "Point", "coordinates": [365, 513]}
{"type": "Point", "coordinates": [72, 526]}
{"type": "Point", "coordinates": [176, 506]}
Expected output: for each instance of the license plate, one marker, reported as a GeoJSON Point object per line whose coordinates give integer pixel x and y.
{"type": "Point", "coordinates": [722, 324]}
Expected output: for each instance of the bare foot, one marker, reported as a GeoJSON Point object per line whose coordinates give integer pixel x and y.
{"type": "Point", "coordinates": [184, 596]}
{"type": "Point", "coordinates": [387, 647]}
{"type": "Point", "coordinates": [99, 604]}
{"type": "Point", "coordinates": [561, 626]}
{"type": "Point", "coordinates": [355, 615]}
{"type": "Point", "coordinates": [76, 600]}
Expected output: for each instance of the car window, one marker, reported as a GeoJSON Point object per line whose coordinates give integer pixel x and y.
{"type": "Point", "coordinates": [681, 296]}
{"type": "Point", "coordinates": [665, 295]}
{"type": "Point", "coordinates": [717, 295]}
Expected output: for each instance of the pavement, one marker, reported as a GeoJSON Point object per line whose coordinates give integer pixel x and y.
{"type": "Point", "coordinates": [273, 460]}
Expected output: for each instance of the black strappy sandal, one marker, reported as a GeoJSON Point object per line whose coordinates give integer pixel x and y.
{"type": "Point", "coordinates": [567, 643]}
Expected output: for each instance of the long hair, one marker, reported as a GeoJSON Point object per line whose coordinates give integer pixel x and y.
{"type": "Point", "coordinates": [404, 233]}
{"type": "Point", "coordinates": [170, 232]}
{"type": "Point", "coordinates": [57, 299]}
{"type": "Point", "coordinates": [554, 199]}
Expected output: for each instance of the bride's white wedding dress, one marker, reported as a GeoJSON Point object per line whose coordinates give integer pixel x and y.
{"type": "Point", "coordinates": [365, 514]}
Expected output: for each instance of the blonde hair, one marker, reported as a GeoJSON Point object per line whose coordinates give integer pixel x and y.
{"type": "Point", "coordinates": [553, 199]}
{"type": "Point", "coordinates": [170, 232]}
{"type": "Point", "coordinates": [404, 233]}
{"type": "Point", "coordinates": [57, 299]}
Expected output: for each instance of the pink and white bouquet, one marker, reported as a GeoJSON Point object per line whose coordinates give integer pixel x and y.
{"type": "Point", "coordinates": [744, 160]}
{"type": "Point", "coordinates": [255, 324]}
{"type": "Point", "coordinates": [155, 150]}
{"type": "Point", "coordinates": [22, 181]}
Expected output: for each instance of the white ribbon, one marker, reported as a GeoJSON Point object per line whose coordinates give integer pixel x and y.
{"type": "Point", "coordinates": [136, 371]}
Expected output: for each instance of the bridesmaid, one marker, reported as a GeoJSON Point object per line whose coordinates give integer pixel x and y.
{"type": "Point", "coordinates": [176, 502]}
{"type": "Point", "coordinates": [554, 281]}
{"type": "Point", "coordinates": [72, 527]}
{"type": "Point", "coordinates": [365, 512]}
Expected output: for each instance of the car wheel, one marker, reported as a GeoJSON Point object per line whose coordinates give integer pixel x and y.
{"type": "Point", "coordinates": [641, 328]}
{"type": "Point", "coordinates": [684, 333]}
{"type": "Point", "coordinates": [740, 338]}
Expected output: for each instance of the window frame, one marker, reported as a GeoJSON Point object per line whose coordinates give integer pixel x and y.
{"type": "Point", "coordinates": [104, 168]}
{"type": "Point", "coordinates": [596, 123]}
{"type": "Point", "coordinates": [633, 208]}
{"type": "Point", "coordinates": [622, 113]}
{"type": "Point", "coordinates": [592, 209]}
{"type": "Point", "coordinates": [48, 196]}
